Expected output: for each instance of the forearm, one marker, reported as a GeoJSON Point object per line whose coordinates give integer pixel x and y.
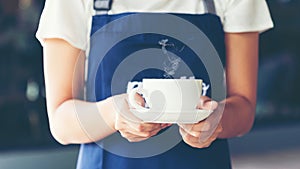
{"type": "Point", "coordinates": [241, 81]}
{"type": "Point", "coordinates": [71, 120]}
{"type": "Point", "coordinates": [75, 121]}
{"type": "Point", "coordinates": [238, 116]}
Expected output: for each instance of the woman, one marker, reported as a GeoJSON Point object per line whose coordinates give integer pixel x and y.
{"type": "Point", "coordinates": [63, 31]}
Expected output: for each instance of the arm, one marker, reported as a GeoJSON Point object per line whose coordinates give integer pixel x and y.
{"type": "Point", "coordinates": [241, 77]}
{"type": "Point", "coordinates": [239, 106]}
{"type": "Point", "coordinates": [64, 80]}
{"type": "Point", "coordinates": [75, 121]}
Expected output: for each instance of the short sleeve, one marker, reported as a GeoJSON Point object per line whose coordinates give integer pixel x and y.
{"type": "Point", "coordinates": [66, 20]}
{"type": "Point", "coordinates": [247, 16]}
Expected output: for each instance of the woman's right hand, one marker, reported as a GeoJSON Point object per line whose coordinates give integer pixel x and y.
{"type": "Point", "coordinates": [129, 126]}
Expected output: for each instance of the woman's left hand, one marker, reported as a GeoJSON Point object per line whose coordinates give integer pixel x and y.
{"type": "Point", "coordinates": [203, 133]}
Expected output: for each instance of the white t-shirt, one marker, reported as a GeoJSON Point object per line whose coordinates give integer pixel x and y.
{"type": "Point", "coordinates": [71, 20]}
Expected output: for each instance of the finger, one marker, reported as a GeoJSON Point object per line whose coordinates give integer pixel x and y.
{"type": "Point", "coordinates": [128, 135]}
{"type": "Point", "coordinates": [145, 127]}
{"type": "Point", "coordinates": [203, 144]}
{"type": "Point", "coordinates": [133, 138]}
{"type": "Point", "coordinates": [207, 103]}
{"type": "Point", "coordinates": [140, 131]}
{"type": "Point", "coordinates": [165, 125]}
{"type": "Point", "coordinates": [146, 134]}
{"type": "Point", "coordinates": [139, 99]}
{"type": "Point", "coordinates": [187, 137]}
{"type": "Point", "coordinates": [212, 123]}
{"type": "Point", "coordinates": [216, 115]}
{"type": "Point", "coordinates": [125, 126]}
{"type": "Point", "coordinates": [207, 136]}
{"type": "Point", "coordinates": [211, 138]}
{"type": "Point", "coordinates": [154, 132]}
{"type": "Point", "coordinates": [182, 132]}
{"type": "Point", "coordinates": [187, 127]}
{"type": "Point", "coordinates": [200, 126]}
{"type": "Point", "coordinates": [136, 133]}
{"type": "Point", "coordinates": [137, 128]}
{"type": "Point", "coordinates": [219, 128]}
{"type": "Point", "coordinates": [119, 122]}
{"type": "Point", "coordinates": [189, 130]}
{"type": "Point", "coordinates": [198, 138]}
{"type": "Point", "coordinates": [195, 142]}
{"type": "Point", "coordinates": [195, 129]}
{"type": "Point", "coordinates": [122, 122]}
{"type": "Point", "coordinates": [121, 107]}
{"type": "Point", "coordinates": [132, 135]}
{"type": "Point", "coordinates": [190, 140]}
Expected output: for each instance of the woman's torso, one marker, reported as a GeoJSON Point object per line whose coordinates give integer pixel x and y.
{"type": "Point", "coordinates": [114, 151]}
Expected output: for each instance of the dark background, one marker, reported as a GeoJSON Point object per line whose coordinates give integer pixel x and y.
{"type": "Point", "coordinates": [23, 117]}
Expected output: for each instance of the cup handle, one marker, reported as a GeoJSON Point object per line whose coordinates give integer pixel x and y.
{"type": "Point", "coordinates": [132, 101]}
{"type": "Point", "coordinates": [131, 85]}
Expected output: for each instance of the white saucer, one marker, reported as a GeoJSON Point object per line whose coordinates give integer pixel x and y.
{"type": "Point", "coordinates": [172, 117]}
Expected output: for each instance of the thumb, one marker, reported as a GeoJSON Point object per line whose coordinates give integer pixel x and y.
{"type": "Point", "coordinates": [207, 103]}
{"type": "Point", "coordinates": [139, 99]}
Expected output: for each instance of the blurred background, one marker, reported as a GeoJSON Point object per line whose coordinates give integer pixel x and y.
{"type": "Point", "coordinates": [25, 140]}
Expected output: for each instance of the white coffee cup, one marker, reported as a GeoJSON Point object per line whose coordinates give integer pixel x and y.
{"type": "Point", "coordinates": [168, 95]}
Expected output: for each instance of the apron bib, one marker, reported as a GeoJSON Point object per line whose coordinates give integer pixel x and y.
{"type": "Point", "coordinates": [106, 78]}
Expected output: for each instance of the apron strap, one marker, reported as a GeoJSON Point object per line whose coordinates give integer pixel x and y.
{"type": "Point", "coordinates": [102, 5]}
{"type": "Point", "coordinates": [209, 6]}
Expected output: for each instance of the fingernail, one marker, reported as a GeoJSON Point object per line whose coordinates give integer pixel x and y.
{"type": "Point", "coordinates": [211, 105]}
{"type": "Point", "coordinates": [214, 102]}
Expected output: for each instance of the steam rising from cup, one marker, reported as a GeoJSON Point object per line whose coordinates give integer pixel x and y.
{"type": "Point", "coordinates": [172, 63]}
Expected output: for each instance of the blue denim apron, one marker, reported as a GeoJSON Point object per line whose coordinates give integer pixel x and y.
{"type": "Point", "coordinates": [99, 83]}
